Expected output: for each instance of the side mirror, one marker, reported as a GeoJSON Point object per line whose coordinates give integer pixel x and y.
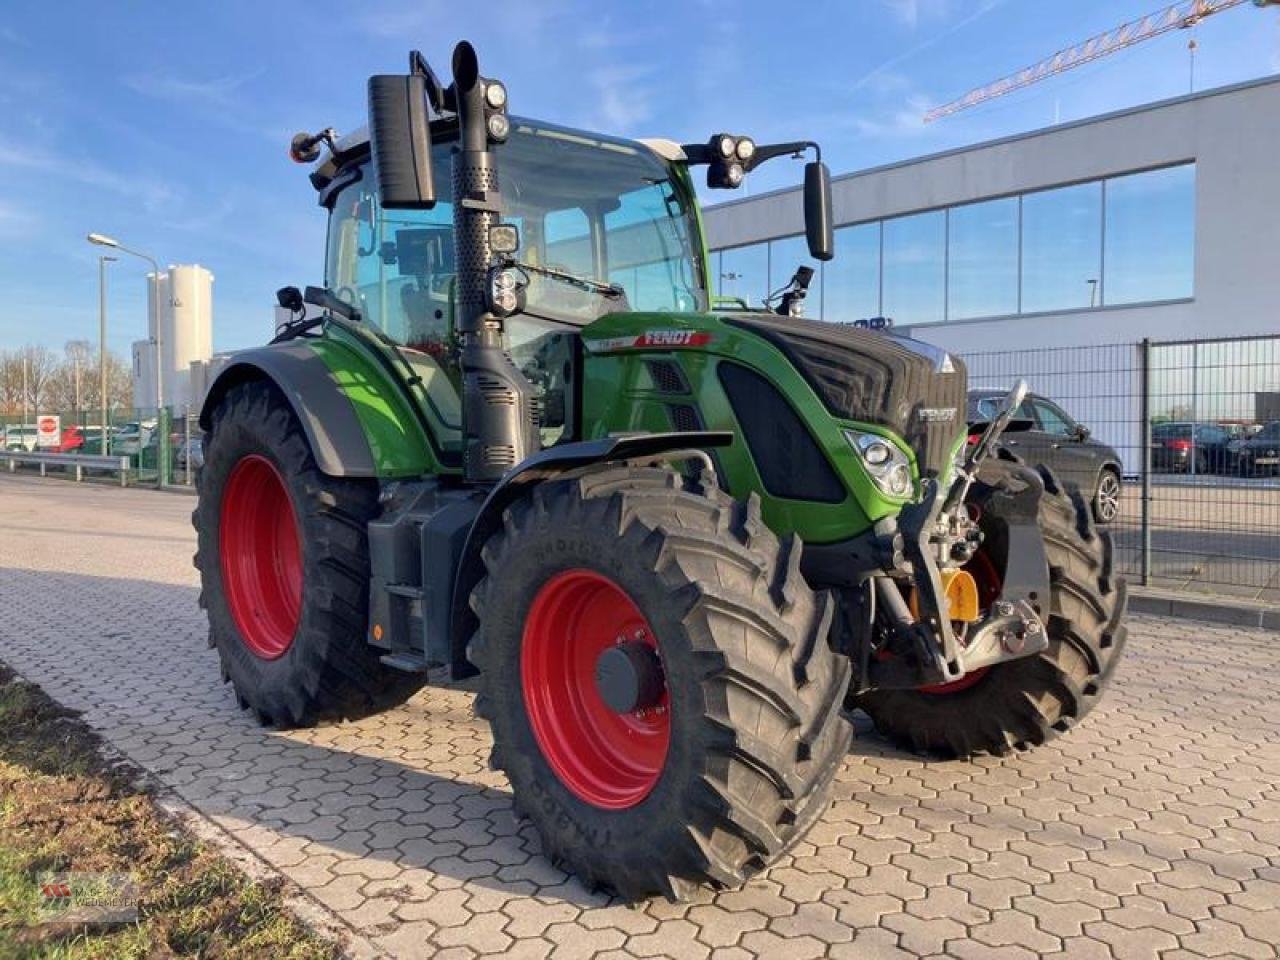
{"type": "Point", "coordinates": [400, 139]}
{"type": "Point", "coordinates": [290, 298]}
{"type": "Point", "coordinates": [817, 211]}
{"type": "Point", "coordinates": [1082, 432]}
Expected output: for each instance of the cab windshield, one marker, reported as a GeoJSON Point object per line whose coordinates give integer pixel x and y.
{"type": "Point", "coordinates": [605, 210]}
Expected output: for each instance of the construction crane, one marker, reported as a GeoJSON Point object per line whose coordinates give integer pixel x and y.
{"type": "Point", "coordinates": [1180, 16]}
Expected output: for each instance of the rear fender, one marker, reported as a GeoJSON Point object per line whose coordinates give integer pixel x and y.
{"type": "Point", "coordinates": [328, 419]}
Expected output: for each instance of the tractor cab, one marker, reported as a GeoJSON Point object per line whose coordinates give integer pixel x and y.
{"type": "Point", "coordinates": [601, 210]}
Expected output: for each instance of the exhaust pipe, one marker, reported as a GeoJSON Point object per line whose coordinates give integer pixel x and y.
{"type": "Point", "coordinates": [498, 420]}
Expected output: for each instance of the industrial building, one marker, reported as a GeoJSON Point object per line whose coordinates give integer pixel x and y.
{"type": "Point", "coordinates": [1159, 222]}
{"type": "Point", "coordinates": [180, 303]}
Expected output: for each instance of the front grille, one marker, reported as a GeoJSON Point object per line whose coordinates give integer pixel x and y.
{"type": "Point", "coordinates": [787, 458]}
{"type": "Point", "coordinates": [912, 388]}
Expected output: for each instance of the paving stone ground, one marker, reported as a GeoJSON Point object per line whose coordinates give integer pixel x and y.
{"type": "Point", "coordinates": [1152, 830]}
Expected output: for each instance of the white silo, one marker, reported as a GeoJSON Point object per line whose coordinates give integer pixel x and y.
{"type": "Point", "coordinates": [187, 329]}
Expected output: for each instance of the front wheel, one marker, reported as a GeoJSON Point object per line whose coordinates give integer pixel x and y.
{"type": "Point", "coordinates": [657, 674]}
{"type": "Point", "coordinates": [1021, 703]}
{"type": "Point", "coordinates": [1106, 498]}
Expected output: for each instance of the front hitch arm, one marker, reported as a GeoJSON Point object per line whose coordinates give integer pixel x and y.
{"type": "Point", "coordinates": [1013, 627]}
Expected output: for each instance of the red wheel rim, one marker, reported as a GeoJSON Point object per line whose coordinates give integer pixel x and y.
{"type": "Point", "coordinates": [261, 558]}
{"type": "Point", "coordinates": [987, 579]}
{"type": "Point", "coordinates": [607, 759]}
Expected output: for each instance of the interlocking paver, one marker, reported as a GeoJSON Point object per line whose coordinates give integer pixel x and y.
{"type": "Point", "coordinates": [1152, 830]}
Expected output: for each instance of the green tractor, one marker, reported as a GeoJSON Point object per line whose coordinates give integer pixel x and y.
{"type": "Point", "coordinates": [516, 435]}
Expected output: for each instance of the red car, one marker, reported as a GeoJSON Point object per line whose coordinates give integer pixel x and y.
{"type": "Point", "coordinates": [71, 441]}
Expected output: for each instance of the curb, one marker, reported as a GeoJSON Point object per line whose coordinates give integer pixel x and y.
{"type": "Point", "coordinates": [1240, 613]}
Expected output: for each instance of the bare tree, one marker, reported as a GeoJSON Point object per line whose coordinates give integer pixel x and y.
{"type": "Point", "coordinates": [10, 382]}
{"type": "Point", "coordinates": [72, 386]}
{"type": "Point", "coordinates": [38, 364]}
{"type": "Point", "coordinates": [34, 380]}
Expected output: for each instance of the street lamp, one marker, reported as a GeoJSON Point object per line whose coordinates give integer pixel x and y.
{"type": "Point", "coordinates": [102, 240]}
{"type": "Point", "coordinates": [104, 447]}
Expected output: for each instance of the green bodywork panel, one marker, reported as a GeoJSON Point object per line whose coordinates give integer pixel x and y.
{"type": "Point", "coordinates": [399, 445]}
{"type": "Point", "coordinates": [618, 395]}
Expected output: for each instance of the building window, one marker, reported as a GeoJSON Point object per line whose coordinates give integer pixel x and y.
{"type": "Point", "coordinates": [744, 273]}
{"type": "Point", "coordinates": [982, 259]}
{"type": "Point", "coordinates": [1150, 236]}
{"type": "Point", "coordinates": [1128, 239]}
{"type": "Point", "coordinates": [914, 277]}
{"type": "Point", "coordinates": [1062, 248]}
{"type": "Point", "coordinates": [851, 281]}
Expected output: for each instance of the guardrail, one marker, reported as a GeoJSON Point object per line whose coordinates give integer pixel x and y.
{"type": "Point", "coordinates": [80, 461]}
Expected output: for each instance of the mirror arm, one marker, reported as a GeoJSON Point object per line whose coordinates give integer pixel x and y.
{"type": "Point", "coordinates": [772, 150]}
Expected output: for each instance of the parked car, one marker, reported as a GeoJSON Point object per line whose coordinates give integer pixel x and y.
{"type": "Point", "coordinates": [182, 452]}
{"type": "Point", "coordinates": [129, 439]}
{"type": "Point", "coordinates": [1259, 454]}
{"type": "Point", "coordinates": [1059, 442]}
{"type": "Point", "coordinates": [70, 441]}
{"type": "Point", "coordinates": [20, 437]}
{"type": "Point", "coordinates": [1188, 447]}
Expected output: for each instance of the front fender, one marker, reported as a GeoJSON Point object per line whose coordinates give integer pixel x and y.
{"type": "Point", "coordinates": [327, 416]}
{"type": "Point", "coordinates": [545, 465]}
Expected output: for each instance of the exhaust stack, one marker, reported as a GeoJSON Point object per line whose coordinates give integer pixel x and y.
{"type": "Point", "coordinates": [498, 419]}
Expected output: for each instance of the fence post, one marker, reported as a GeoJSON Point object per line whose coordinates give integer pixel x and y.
{"type": "Point", "coordinates": [1145, 441]}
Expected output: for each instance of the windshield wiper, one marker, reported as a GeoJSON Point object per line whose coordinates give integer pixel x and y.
{"type": "Point", "coordinates": [610, 290]}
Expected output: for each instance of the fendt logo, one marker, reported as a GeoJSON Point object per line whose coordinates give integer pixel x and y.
{"type": "Point", "coordinates": [937, 414]}
{"type": "Point", "coordinates": [664, 339]}
{"type": "Point", "coordinates": [673, 338]}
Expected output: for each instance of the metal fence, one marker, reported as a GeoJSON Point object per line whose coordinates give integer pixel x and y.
{"type": "Point", "coordinates": [164, 448]}
{"type": "Point", "coordinates": [1195, 427]}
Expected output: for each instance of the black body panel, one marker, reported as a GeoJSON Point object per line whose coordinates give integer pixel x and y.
{"type": "Point", "coordinates": [789, 461]}
{"type": "Point", "coordinates": [912, 388]}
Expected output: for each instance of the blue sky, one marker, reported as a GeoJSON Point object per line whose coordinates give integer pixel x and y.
{"type": "Point", "coordinates": [169, 130]}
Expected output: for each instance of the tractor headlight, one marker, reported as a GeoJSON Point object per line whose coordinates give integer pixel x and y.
{"type": "Point", "coordinates": [499, 126]}
{"type": "Point", "coordinates": [506, 294]}
{"type": "Point", "coordinates": [885, 463]}
{"type": "Point", "coordinates": [746, 149]}
{"type": "Point", "coordinates": [726, 145]}
{"type": "Point", "coordinates": [495, 95]}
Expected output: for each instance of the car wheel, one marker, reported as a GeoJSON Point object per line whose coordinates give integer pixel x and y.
{"type": "Point", "coordinates": [1106, 497]}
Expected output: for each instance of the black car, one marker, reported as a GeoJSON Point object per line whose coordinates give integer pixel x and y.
{"type": "Point", "coordinates": [1258, 455]}
{"type": "Point", "coordinates": [1061, 444]}
{"type": "Point", "coordinates": [1186, 447]}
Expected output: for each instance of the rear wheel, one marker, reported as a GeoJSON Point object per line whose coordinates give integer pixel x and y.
{"type": "Point", "coordinates": [284, 568]}
{"type": "Point", "coordinates": [663, 697]}
{"type": "Point", "coordinates": [1022, 703]}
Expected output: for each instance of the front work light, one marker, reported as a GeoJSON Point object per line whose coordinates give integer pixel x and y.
{"type": "Point", "coordinates": [885, 463]}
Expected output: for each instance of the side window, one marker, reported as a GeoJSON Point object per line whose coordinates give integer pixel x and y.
{"type": "Point", "coordinates": [1053, 420]}
{"type": "Point", "coordinates": [396, 266]}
